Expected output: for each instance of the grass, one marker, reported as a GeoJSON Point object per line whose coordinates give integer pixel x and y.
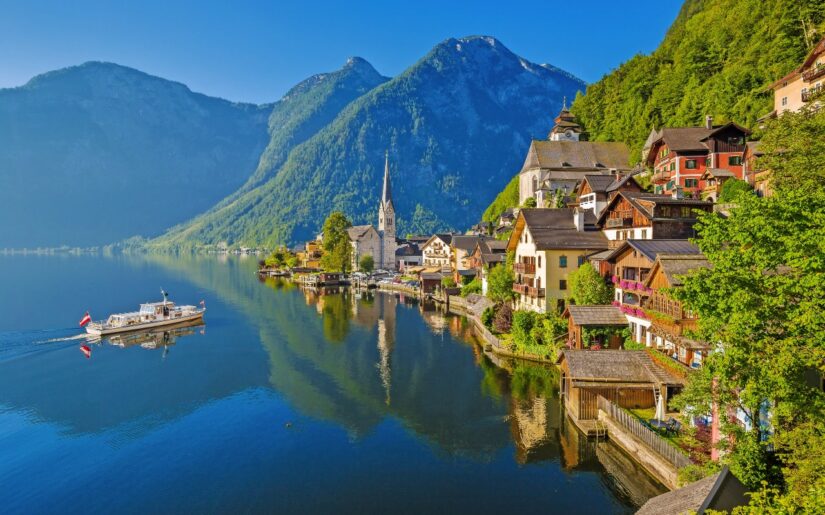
{"type": "Point", "coordinates": [685, 441]}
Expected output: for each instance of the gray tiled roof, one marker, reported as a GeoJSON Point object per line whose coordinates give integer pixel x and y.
{"type": "Point", "coordinates": [615, 365]}
{"type": "Point", "coordinates": [356, 232]}
{"type": "Point", "coordinates": [554, 229]}
{"type": "Point", "coordinates": [721, 491]}
{"type": "Point", "coordinates": [675, 266]}
{"type": "Point", "coordinates": [653, 248]}
{"type": "Point", "coordinates": [596, 315]}
{"type": "Point", "coordinates": [577, 154]}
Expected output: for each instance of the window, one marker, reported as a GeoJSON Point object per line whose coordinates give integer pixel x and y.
{"type": "Point", "coordinates": [562, 284]}
{"type": "Point", "coordinates": [581, 260]}
{"type": "Point", "coordinates": [562, 262]}
{"type": "Point", "coordinates": [784, 101]}
{"type": "Point", "coordinates": [691, 183]}
{"type": "Point", "coordinates": [644, 234]}
{"type": "Point", "coordinates": [735, 140]}
{"type": "Point", "coordinates": [539, 261]}
{"type": "Point", "coordinates": [685, 212]}
{"type": "Point", "coordinates": [690, 164]}
{"type": "Point", "coordinates": [672, 166]}
{"type": "Point", "coordinates": [734, 160]}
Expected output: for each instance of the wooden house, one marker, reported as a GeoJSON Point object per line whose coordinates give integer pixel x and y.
{"type": "Point", "coordinates": [713, 179]}
{"type": "Point", "coordinates": [671, 324]}
{"type": "Point", "coordinates": [595, 191]}
{"type": "Point", "coordinates": [645, 216]}
{"type": "Point", "coordinates": [590, 326]}
{"type": "Point", "coordinates": [629, 378]}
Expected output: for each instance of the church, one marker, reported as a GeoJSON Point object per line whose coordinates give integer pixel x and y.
{"type": "Point", "coordinates": [381, 243]}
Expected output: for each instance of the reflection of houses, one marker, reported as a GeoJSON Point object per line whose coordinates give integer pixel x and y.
{"type": "Point", "coordinates": [548, 245]}
{"type": "Point", "coordinates": [630, 265]}
{"type": "Point", "coordinates": [721, 492]}
{"type": "Point", "coordinates": [556, 165]}
{"type": "Point", "coordinates": [671, 323]}
{"type": "Point", "coordinates": [645, 216]}
{"type": "Point", "coordinates": [595, 325]}
{"type": "Point", "coordinates": [628, 378]}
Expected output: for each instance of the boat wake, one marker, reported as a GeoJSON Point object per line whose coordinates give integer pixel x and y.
{"type": "Point", "coordinates": [82, 336]}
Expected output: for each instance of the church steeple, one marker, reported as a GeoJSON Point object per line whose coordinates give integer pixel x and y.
{"type": "Point", "coordinates": [566, 127]}
{"type": "Point", "coordinates": [386, 193]}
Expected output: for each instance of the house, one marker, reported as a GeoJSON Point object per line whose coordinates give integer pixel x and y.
{"type": "Point", "coordinates": [796, 89]}
{"type": "Point", "coordinates": [436, 251]}
{"type": "Point", "coordinates": [556, 165]}
{"type": "Point", "coordinates": [549, 244]}
{"type": "Point", "coordinates": [629, 378]}
{"type": "Point", "coordinates": [482, 229]}
{"type": "Point", "coordinates": [721, 492]}
{"type": "Point", "coordinates": [461, 250]}
{"type": "Point", "coordinates": [630, 265]}
{"type": "Point", "coordinates": [505, 222]}
{"type": "Point", "coordinates": [310, 256]}
{"type": "Point", "coordinates": [647, 216]}
{"type": "Point", "coordinates": [487, 254]}
{"type": "Point", "coordinates": [595, 191]}
{"type": "Point", "coordinates": [407, 255]}
{"type": "Point", "coordinates": [671, 324]}
{"type": "Point", "coordinates": [679, 156]}
{"type": "Point", "coordinates": [431, 281]}
{"type": "Point", "coordinates": [713, 179]}
{"type": "Point", "coordinates": [590, 326]}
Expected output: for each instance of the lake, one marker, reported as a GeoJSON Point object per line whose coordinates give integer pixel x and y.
{"type": "Point", "coordinates": [285, 400]}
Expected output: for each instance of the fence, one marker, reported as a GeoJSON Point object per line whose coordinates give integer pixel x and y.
{"type": "Point", "coordinates": [644, 433]}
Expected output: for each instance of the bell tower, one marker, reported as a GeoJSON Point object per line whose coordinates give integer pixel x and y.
{"type": "Point", "coordinates": [386, 221]}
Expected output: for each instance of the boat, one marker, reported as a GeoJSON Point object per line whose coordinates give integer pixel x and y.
{"type": "Point", "coordinates": [149, 316]}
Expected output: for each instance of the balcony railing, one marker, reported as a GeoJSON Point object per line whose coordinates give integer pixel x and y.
{"type": "Point", "coordinates": [661, 176]}
{"type": "Point", "coordinates": [524, 268]}
{"type": "Point", "coordinates": [530, 291]}
{"type": "Point", "coordinates": [813, 74]}
{"type": "Point", "coordinates": [618, 222]}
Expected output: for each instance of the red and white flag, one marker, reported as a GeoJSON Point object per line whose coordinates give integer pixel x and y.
{"type": "Point", "coordinates": [86, 350]}
{"type": "Point", "coordinates": [85, 320]}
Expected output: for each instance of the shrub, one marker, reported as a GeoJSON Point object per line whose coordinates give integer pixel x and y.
{"type": "Point", "coordinates": [447, 282]}
{"type": "Point", "coordinates": [503, 320]}
{"type": "Point", "coordinates": [487, 317]}
{"type": "Point", "coordinates": [732, 188]}
{"type": "Point", "coordinates": [473, 286]}
{"type": "Point", "coordinates": [522, 327]}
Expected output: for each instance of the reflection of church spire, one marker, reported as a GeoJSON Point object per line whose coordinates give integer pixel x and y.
{"type": "Point", "coordinates": [386, 341]}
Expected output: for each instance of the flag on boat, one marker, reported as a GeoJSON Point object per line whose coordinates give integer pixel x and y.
{"type": "Point", "coordinates": [203, 303]}
{"type": "Point", "coordinates": [86, 350]}
{"type": "Point", "coordinates": [85, 320]}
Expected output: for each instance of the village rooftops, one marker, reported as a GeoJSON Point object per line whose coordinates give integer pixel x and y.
{"type": "Point", "coordinates": [646, 204]}
{"type": "Point", "coordinates": [721, 491]}
{"type": "Point", "coordinates": [577, 155]}
{"type": "Point", "coordinates": [556, 229]}
{"type": "Point", "coordinates": [596, 315]}
{"type": "Point", "coordinates": [687, 139]}
{"type": "Point", "coordinates": [609, 367]}
{"type": "Point", "coordinates": [467, 242]}
{"type": "Point", "coordinates": [651, 249]}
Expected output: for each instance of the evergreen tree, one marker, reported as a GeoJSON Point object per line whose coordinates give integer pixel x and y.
{"type": "Point", "coordinates": [588, 287]}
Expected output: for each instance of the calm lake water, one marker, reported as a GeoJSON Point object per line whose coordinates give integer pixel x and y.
{"type": "Point", "coordinates": [284, 401]}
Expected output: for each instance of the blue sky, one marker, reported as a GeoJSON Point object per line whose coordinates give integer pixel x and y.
{"type": "Point", "coordinates": [254, 51]}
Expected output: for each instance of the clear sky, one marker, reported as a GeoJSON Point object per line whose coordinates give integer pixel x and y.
{"type": "Point", "coordinates": [254, 51]}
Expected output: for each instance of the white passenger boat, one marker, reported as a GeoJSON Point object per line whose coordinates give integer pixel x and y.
{"type": "Point", "coordinates": [150, 315]}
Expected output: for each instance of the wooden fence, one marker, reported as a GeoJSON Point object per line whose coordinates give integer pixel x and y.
{"type": "Point", "coordinates": [653, 441]}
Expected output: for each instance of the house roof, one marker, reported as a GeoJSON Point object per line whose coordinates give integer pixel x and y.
{"type": "Point", "coordinates": [586, 155]}
{"type": "Point", "coordinates": [596, 315]}
{"type": "Point", "coordinates": [651, 249]}
{"type": "Point", "coordinates": [675, 266]}
{"type": "Point", "coordinates": [615, 366]}
{"type": "Point", "coordinates": [721, 491]}
{"type": "Point", "coordinates": [717, 173]}
{"type": "Point", "coordinates": [554, 229]}
{"type": "Point", "coordinates": [486, 259]}
{"type": "Point", "coordinates": [356, 232]}
{"type": "Point", "coordinates": [645, 203]}
{"type": "Point", "coordinates": [599, 183]}
{"type": "Point", "coordinates": [445, 237]}
{"type": "Point", "coordinates": [408, 249]}
{"type": "Point", "coordinates": [818, 49]}
{"type": "Point", "coordinates": [467, 242]}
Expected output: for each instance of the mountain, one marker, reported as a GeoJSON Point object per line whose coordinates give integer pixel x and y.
{"type": "Point", "coordinates": [99, 152]}
{"type": "Point", "coordinates": [716, 59]}
{"type": "Point", "coordinates": [456, 124]}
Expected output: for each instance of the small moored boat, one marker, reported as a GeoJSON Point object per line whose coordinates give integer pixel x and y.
{"type": "Point", "coordinates": [150, 315]}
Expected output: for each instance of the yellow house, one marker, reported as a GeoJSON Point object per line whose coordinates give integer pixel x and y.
{"type": "Point", "coordinates": [548, 245]}
{"type": "Point", "coordinates": [796, 89]}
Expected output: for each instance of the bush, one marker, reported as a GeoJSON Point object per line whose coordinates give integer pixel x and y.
{"type": "Point", "coordinates": [522, 327]}
{"type": "Point", "coordinates": [473, 286]}
{"type": "Point", "coordinates": [732, 188]}
{"type": "Point", "coordinates": [487, 317]}
{"type": "Point", "coordinates": [447, 282]}
{"type": "Point", "coordinates": [503, 320]}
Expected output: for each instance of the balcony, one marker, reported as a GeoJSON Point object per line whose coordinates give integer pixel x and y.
{"type": "Point", "coordinates": [529, 291]}
{"type": "Point", "coordinates": [809, 94]}
{"type": "Point", "coordinates": [661, 176]}
{"type": "Point", "coordinates": [524, 268]}
{"type": "Point", "coordinates": [613, 223]}
{"type": "Point", "coordinates": [814, 73]}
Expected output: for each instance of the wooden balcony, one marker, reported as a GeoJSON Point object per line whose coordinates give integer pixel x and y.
{"type": "Point", "coordinates": [524, 268]}
{"type": "Point", "coordinates": [529, 291]}
{"type": "Point", "coordinates": [612, 223]}
{"type": "Point", "coordinates": [813, 74]}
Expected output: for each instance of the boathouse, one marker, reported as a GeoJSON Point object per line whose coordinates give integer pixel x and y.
{"type": "Point", "coordinates": [720, 492]}
{"type": "Point", "coordinates": [629, 378]}
{"type": "Point", "coordinates": [595, 325]}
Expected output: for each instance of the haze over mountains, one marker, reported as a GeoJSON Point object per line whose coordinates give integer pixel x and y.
{"type": "Point", "coordinates": [98, 153]}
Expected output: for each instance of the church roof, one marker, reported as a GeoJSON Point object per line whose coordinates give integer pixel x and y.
{"type": "Point", "coordinates": [356, 232]}
{"type": "Point", "coordinates": [386, 192]}
{"type": "Point", "coordinates": [583, 155]}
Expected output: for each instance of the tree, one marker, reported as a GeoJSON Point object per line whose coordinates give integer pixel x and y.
{"type": "Point", "coordinates": [500, 281]}
{"type": "Point", "coordinates": [473, 286]}
{"type": "Point", "coordinates": [763, 303]}
{"type": "Point", "coordinates": [732, 188]}
{"type": "Point", "coordinates": [337, 247]}
{"type": "Point", "coordinates": [529, 202]}
{"type": "Point", "coordinates": [366, 263]}
{"type": "Point", "coordinates": [588, 287]}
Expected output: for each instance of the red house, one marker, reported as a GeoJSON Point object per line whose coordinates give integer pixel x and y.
{"type": "Point", "coordinates": [679, 156]}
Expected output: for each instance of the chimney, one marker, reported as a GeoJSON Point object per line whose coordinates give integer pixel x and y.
{"type": "Point", "coordinates": [578, 219]}
{"type": "Point", "coordinates": [677, 193]}
{"type": "Point", "coordinates": [708, 122]}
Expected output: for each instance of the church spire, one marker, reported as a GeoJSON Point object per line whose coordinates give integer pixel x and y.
{"type": "Point", "coordinates": [386, 194]}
